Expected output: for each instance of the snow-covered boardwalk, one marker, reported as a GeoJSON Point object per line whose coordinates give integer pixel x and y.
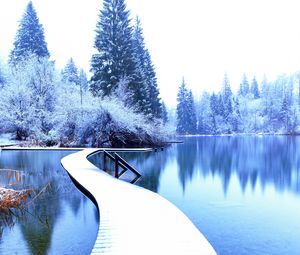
{"type": "Point", "coordinates": [134, 220]}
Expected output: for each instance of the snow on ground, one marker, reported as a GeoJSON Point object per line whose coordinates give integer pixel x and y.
{"type": "Point", "coordinates": [6, 139]}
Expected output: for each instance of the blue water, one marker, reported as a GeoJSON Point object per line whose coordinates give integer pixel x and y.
{"type": "Point", "coordinates": [60, 220]}
{"type": "Point", "coordinates": [243, 193]}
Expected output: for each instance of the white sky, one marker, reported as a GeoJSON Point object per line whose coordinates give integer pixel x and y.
{"type": "Point", "coordinates": [197, 39]}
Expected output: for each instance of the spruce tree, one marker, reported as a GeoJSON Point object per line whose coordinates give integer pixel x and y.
{"type": "Point", "coordinates": [70, 73]}
{"type": "Point", "coordinates": [186, 111]}
{"type": "Point", "coordinates": [164, 113]}
{"type": "Point", "coordinates": [83, 84]}
{"type": "Point", "coordinates": [141, 93]}
{"type": "Point", "coordinates": [236, 116]}
{"type": "Point", "coordinates": [215, 112]}
{"type": "Point", "coordinates": [244, 86]}
{"type": "Point", "coordinates": [155, 103]}
{"type": "Point", "coordinates": [2, 78]}
{"type": "Point", "coordinates": [285, 114]}
{"type": "Point", "coordinates": [143, 60]}
{"type": "Point", "coordinates": [83, 81]}
{"type": "Point", "coordinates": [181, 109]}
{"type": "Point", "coordinates": [254, 89]}
{"type": "Point", "coordinates": [114, 60]}
{"type": "Point", "coordinates": [149, 99]}
{"type": "Point", "coordinates": [30, 39]}
{"type": "Point", "coordinates": [191, 114]}
{"type": "Point", "coordinates": [214, 104]}
{"type": "Point", "coordinates": [204, 115]}
{"type": "Point", "coordinates": [227, 98]}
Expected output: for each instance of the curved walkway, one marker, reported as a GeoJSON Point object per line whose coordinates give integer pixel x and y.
{"type": "Point", "coordinates": [133, 220]}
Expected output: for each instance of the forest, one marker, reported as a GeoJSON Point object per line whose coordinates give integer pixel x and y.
{"type": "Point", "coordinates": [119, 105]}
{"type": "Point", "coordinates": [269, 108]}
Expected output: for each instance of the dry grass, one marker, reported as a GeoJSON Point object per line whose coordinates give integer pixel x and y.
{"type": "Point", "coordinates": [10, 198]}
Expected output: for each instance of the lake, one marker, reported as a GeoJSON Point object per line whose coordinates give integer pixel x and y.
{"type": "Point", "coordinates": [60, 220]}
{"type": "Point", "coordinates": [242, 192]}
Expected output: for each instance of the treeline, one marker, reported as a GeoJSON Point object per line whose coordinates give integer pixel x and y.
{"type": "Point", "coordinates": [269, 108]}
{"type": "Point", "coordinates": [119, 105]}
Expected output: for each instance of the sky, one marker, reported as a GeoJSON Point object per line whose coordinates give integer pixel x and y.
{"type": "Point", "coordinates": [195, 39]}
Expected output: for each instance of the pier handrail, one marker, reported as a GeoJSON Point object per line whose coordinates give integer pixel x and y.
{"type": "Point", "coordinates": [120, 162]}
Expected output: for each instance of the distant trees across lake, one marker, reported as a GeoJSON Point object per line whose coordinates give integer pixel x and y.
{"type": "Point", "coordinates": [272, 107]}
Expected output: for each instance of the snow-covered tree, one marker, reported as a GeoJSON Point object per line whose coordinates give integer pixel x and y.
{"type": "Point", "coordinates": [244, 86]}
{"type": "Point", "coordinates": [215, 112]}
{"type": "Point", "coordinates": [29, 99]}
{"type": "Point", "coordinates": [2, 75]}
{"type": "Point", "coordinates": [191, 114]}
{"type": "Point", "coordinates": [150, 94]}
{"type": "Point", "coordinates": [30, 39]}
{"type": "Point", "coordinates": [83, 84]}
{"type": "Point", "coordinates": [254, 89]}
{"type": "Point", "coordinates": [236, 116]}
{"type": "Point", "coordinates": [205, 115]}
{"type": "Point", "coordinates": [114, 58]}
{"type": "Point", "coordinates": [185, 111]}
{"type": "Point", "coordinates": [70, 73]}
{"type": "Point", "coordinates": [155, 101]}
{"type": "Point", "coordinates": [141, 92]}
{"type": "Point", "coordinates": [164, 114]}
{"type": "Point", "coordinates": [226, 96]}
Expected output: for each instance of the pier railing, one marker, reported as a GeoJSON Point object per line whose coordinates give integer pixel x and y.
{"type": "Point", "coordinates": [120, 166]}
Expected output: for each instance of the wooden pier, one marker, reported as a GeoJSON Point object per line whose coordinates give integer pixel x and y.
{"type": "Point", "coordinates": [133, 220]}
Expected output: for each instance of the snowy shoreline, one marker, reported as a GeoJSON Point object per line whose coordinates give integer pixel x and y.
{"type": "Point", "coordinates": [6, 140]}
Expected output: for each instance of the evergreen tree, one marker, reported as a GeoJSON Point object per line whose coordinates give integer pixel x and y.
{"type": "Point", "coordinates": [214, 106]}
{"type": "Point", "coordinates": [141, 93]}
{"type": "Point", "coordinates": [149, 98]}
{"type": "Point", "coordinates": [155, 101]}
{"type": "Point", "coordinates": [204, 114]}
{"type": "Point", "coordinates": [220, 106]}
{"type": "Point", "coordinates": [83, 81]}
{"type": "Point", "coordinates": [225, 104]}
{"type": "Point", "coordinates": [181, 109]}
{"type": "Point", "coordinates": [83, 84]}
{"type": "Point", "coordinates": [114, 60]}
{"type": "Point", "coordinates": [191, 114]}
{"type": "Point", "coordinates": [285, 114]}
{"type": "Point", "coordinates": [186, 111]}
{"type": "Point", "coordinates": [164, 113]}
{"type": "Point", "coordinates": [227, 98]}
{"type": "Point", "coordinates": [70, 73]}
{"type": "Point", "coordinates": [244, 86]}
{"type": "Point", "coordinates": [236, 116]}
{"type": "Point", "coordinates": [30, 39]}
{"type": "Point", "coordinates": [254, 89]}
{"type": "Point", "coordinates": [2, 78]}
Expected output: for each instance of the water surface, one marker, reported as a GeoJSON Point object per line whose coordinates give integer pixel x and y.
{"type": "Point", "coordinates": [60, 220]}
{"type": "Point", "coordinates": [243, 193]}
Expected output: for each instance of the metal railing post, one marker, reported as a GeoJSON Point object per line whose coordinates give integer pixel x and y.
{"type": "Point", "coordinates": [116, 167]}
{"type": "Point", "coordinates": [104, 160]}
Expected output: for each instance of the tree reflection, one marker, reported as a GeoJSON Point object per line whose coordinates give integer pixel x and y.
{"type": "Point", "coordinates": [150, 165]}
{"type": "Point", "coordinates": [186, 158]}
{"type": "Point", "coordinates": [270, 159]}
{"type": "Point", "coordinates": [40, 171]}
{"type": "Point", "coordinates": [265, 160]}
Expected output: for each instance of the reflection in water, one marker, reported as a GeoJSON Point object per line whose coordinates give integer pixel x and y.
{"type": "Point", "coordinates": [54, 193]}
{"type": "Point", "coordinates": [243, 193]}
{"type": "Point", "coordinates": [143, 162]}
{"type": "Point", "coordinates": [270, 160]}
